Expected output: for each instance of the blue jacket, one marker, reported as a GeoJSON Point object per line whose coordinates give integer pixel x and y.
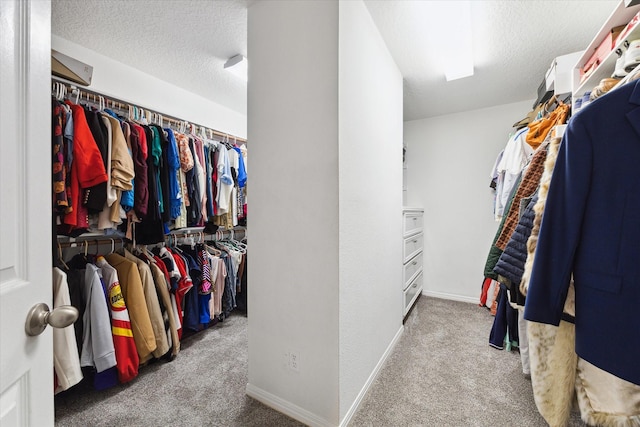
{"type": "Point", "coordinates": [591, 229]}
{"type": "Point", "coordinates": [512, 260]}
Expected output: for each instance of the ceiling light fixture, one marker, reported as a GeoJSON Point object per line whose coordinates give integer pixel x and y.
{"type": "Point", "coordinates": [457, 53]}
{"type": "Point", "coordinates": [238, 65]}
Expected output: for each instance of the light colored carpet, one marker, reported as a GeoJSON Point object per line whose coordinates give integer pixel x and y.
{"type": "Point", "coordinates": [203, 386]}
{"type": "Point", "coordinates": [441, 373]}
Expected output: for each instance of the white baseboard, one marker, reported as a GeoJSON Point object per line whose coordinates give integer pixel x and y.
{"type": "Point", "coordinates": [310, 418]}
{"type": "Point", "coordinates": [356, 404]}
{"type": "Point", "coordinates": [454, 297]}
{"type": "Point", "coordinates": [286, 407]}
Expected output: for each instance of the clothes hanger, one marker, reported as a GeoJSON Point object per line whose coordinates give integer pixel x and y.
{"type": "Point", "coordinates": [149, 254]}
{"type": "Point", "coordinates": [56, 90]}
{"type": "Point", "coordinates": [240, 244]}
{"type": "Point", "coordinates": [175, 247]}
{"type": "Point", "coordinates": [143, 116]}
{"type": "Point", "coordinates": [75, 91]}
{"type": "Point", "coordinates": [213, 250]}
{"type": "Point", "coordinates": [61, 258]}
{"type": "Point", "coordinates": [133, 234]}
{"type": "Point", "coordinates": [85, 252]}
{"type": "Point", "coordinates": [551, 104]}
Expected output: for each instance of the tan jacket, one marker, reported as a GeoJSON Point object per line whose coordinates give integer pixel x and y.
{"type": "Point", "coordinates": [122, 171]}
{"type": "Point", "coordinates": [153, 306]}
{"type": "Point", "coordinates": [131, 285]}
{"type": "Point", "coordinates": [163, 292]}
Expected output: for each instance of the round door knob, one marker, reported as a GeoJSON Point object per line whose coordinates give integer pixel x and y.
{"type": "Point", "coordinates": [39, 317]}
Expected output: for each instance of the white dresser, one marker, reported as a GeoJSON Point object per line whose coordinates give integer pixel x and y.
{"type": "Point", "coordinates": [412, 276]}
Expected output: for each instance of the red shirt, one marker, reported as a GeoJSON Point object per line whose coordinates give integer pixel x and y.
{"type": "Point", "coordinates": [87, 168]}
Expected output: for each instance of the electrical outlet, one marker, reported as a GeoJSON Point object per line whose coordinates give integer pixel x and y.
{"type": "Point", "coordinates": [294, 361]}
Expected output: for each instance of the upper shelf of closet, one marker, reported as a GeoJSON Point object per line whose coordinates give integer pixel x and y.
{"type": "Point", "coordinates": [621, 16]}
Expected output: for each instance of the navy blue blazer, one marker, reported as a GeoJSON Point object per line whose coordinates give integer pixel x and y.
{"type": "Point", "coordinates": [591, 229]}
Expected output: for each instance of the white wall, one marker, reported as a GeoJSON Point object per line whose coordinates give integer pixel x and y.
{"type": "Point", "coordinates": [449, 160]}
{"type": "Point", "coordinates": [122, 81]}
{"type": "Point", "coordinates": [326, 195]}
{"type": "Point", "coordinates": [293, 128]}
{"type": "Point", "coordinates": [370, 201]}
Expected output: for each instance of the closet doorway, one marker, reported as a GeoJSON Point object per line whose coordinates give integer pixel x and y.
{"type": "Point", "coordinates": [26, 388]}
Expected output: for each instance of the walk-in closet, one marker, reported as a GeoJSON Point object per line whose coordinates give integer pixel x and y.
{"type": "Point", "coordinates": [439, 198]}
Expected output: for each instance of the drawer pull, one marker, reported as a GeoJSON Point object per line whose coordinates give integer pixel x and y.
{"type": "Point", "coordinates": [415, 241]}
{"type": "Point", "coordinates": [415, 285]}
{"type": "Point", "coordinates": [414, 262]}
{"type": "Point", "coordinates": [415, 219]}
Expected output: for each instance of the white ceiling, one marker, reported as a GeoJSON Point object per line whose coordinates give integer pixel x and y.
{"type": "Point", "coordinates": [186, 42]}
{"type": "Point", "coordinates": [514, 43]}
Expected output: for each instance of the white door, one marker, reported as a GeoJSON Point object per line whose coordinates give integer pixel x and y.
{"type": "Point", "coordinates": [26, 363]}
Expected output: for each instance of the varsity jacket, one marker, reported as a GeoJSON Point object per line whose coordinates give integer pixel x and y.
{"type": "Point", "coordinates": [131, 286]}
{"type": "Point", "coordinates": [125, 347]}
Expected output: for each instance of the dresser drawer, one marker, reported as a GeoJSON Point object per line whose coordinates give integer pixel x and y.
{"type": "Point", "coordinates": [412, 222]}
{"type": "Point", "coordinates": [411, 293]}
{"type": "Point", "coordinates": [411, 269]}
{"type": "Point", "coordinates": [412, 245]}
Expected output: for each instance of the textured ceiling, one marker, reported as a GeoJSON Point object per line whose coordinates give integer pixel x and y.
{"type": "Point", "coordinates": [186, 42]}
{"type": "Point", "coordinates": [514, 43]}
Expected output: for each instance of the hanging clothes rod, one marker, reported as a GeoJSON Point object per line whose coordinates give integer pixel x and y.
{"type": "Point", "coordinates": [97, 240]}
{"type": "Point", "coordinates": [125, 106]}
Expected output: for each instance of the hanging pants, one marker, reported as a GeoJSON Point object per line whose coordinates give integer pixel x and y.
{"type": "Point", "coordinates": [506, 320]}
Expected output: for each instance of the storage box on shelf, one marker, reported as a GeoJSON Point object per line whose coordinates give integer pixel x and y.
{"type": "Point", "coordinates": [412, 257]}
{"type": "Point", "coordinates": [607, 46]}
{"type": "Point", "coordinates": [602, 65]}
{"type": "Point", "coordinates": [558, 78]}
{"type": "Point", "coordinates": [559, 75]}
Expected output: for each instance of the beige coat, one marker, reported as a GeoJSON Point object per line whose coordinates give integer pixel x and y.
{"type": "Point", "coordinates": [153, 307]}
{"type": "Point", "coordinates": [163, 292]}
